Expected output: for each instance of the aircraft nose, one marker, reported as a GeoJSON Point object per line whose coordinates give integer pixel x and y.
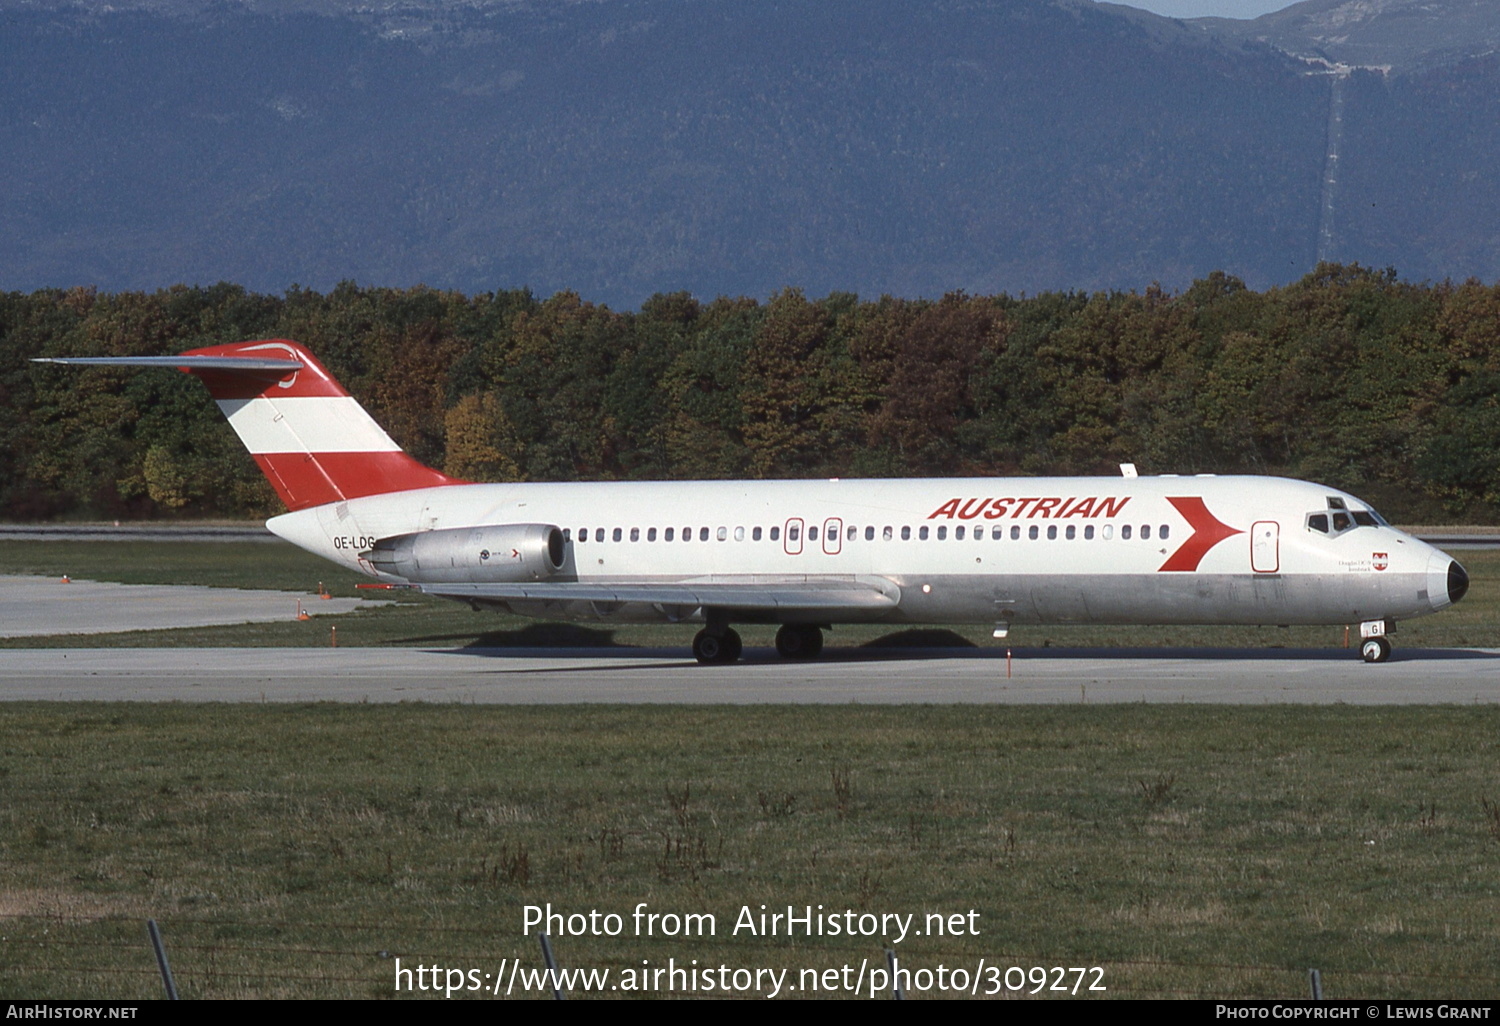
{"type": "Point", "coordinates": [1447, 582]}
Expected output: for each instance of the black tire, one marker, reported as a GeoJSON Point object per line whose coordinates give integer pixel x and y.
{"type": "Point", "coordinates": [799, 641]}
{"type": "Point", "coordinates": [733, 646]}
{"type": "Point", "coordinates": [707, 648]}
{"type": "Point", "coordinates": [717, 649]}
{"type": "Point", "coordinates": [1375, 650]}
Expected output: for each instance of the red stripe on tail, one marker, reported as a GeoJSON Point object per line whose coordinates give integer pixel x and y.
{"type": "Point", "coordinates": [316, 479]}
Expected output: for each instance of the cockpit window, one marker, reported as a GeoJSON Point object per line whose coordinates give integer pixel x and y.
{"type": "Point", "coordinates": [1336, 522]}
{"type": "Point", "coordinates": [1334, 502]}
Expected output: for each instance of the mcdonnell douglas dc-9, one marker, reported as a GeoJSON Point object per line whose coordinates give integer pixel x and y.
{"type": "Point", "coordinates": [809, 554]}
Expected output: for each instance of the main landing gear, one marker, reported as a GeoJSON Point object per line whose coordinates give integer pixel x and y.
{"type": "Point", "coordinates": [721, 647]}
{"type": "Point", "coordinates": [799, 641]}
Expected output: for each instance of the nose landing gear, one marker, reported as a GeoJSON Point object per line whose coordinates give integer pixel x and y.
{"type": "Point", "coordinates": [1376, 647]}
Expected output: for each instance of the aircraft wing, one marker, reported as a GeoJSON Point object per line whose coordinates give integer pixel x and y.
{"type": "Point", "coordinates": [832, 596]}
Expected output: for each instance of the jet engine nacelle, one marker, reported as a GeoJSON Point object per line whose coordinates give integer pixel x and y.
{"type": "Point", "coordinates": [473, 555]}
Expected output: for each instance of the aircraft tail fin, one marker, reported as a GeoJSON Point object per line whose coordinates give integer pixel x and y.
{"type": "Point", "coordinates": [314, 442]}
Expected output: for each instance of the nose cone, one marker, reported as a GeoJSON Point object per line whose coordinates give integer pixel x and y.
{"type": "Point", "coordinates": [1447, 582]}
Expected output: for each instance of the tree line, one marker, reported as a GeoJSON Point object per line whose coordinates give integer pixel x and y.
{"type": "Point", "coordinates": [1349, 376]}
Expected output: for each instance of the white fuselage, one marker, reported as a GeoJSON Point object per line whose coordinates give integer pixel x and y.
{"type": "Point", "coordinates": [1206, 549]}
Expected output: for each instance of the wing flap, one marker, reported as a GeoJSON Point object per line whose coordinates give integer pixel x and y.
{"type": "Point", "coordinates": [761, 597]}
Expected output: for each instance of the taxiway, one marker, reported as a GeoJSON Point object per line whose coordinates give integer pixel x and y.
{"type": "Point", "coordinates": [533, 676]}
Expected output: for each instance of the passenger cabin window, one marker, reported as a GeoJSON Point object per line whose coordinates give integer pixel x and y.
{"type": "Point", "coordinates": [687, 534]}
{"type": "Point", "coordinates": [723, 534]}
{"type": "Point", "coordinates": [906, 533]}
{"type": "Point", "coordinates": [635, 534]}
{"type": "Point", "coordinates": [739, 534]}
{"type": "Point", "coordinates": [1088, 533]}
{"type": "Point", "coordinates": [1163, 533]}
{"type": "Point", "coordinates": [651, 534]}
{"type": "Point", "coordinates": [1015, 533]}
{"type": "Point", "coordinates": [870, 533]}
{"type": "Point", "coordinates": [958, 533]}
{"type": "Point", "coordinates": [703, 534]}
{"type": "Point", "coordinates": [1051, 532]}
{"type": "Point", "coordinates": [1125, 532]}
{"type": "Point", "coordinates": [776, 534]}
{"type": "Point", "coordinates": [812, 534]}
{"type": "Point", "coordinates": [1071, 532]}
{"type": "Point", "coordinates": [668, 534]}
{"type": "Point", "coordinates": [1145, 532]}
{"type": "Point", "coordinates": [598, 534]}
{"type": "Point", "coordinates": [853, 534]}
{"type": "Point", "coordinates": [922, 533]}
{"type": "Point", "coordinates": [755, 534]}
{"type": "Point", "coordinates": [793, 533]}
{"type": "Point", "coordinates": [1033, 533]}
{"type": "Point", "coordinates": [942, 534]}
{"type": "Point", "coordinates": [887, 533]}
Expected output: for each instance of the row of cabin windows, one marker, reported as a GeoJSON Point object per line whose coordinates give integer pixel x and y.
{"type": "Point", "coordinates": [923, 533]}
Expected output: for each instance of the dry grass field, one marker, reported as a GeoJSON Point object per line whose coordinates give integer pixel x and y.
{"type": "Point", "coordinates": [1186, 851]}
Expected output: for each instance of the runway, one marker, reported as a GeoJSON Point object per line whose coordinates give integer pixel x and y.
{"type": "Point", "coordinates": [669, 676]}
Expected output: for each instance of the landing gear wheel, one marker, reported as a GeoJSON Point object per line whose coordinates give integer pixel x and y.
{"type": "Point", "coordinates": [799, 641]}
{"type": "Point", "coordinates": [717, 648]}
{"type": "Point", "coordinates": [1375, 650]}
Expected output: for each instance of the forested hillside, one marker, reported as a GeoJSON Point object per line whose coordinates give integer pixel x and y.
{"type": "Point", "coordinates": [1349, 376]}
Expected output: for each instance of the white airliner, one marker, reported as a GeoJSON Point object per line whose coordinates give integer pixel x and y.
{"type": "Point", "coordinates": [808, 554]}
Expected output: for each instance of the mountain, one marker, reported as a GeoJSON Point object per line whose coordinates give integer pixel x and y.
{"type": "Point", "coordinates": [1402, 35]}
{"type": "Point", "coordinates": [625, 147]}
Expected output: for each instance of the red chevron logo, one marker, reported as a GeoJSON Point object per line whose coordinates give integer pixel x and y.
{"type": "Point", "coordinates": [1208, 531]}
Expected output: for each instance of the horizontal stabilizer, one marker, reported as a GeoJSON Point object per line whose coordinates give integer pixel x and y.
{"type": "Point", "coordinates": [253, 365]}
{"type": "Point", "coordinates": [186, 363]}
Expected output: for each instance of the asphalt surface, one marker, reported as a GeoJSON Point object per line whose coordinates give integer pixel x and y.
{"type": "Point", "coordinates": [38, 606]}
{"type": "Point", "coordinates": [669, 676]}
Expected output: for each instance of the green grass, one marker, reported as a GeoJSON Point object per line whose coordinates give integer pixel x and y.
{"type": "Point", "coordinates": [1189, 851]}
{"type": "Point", "coordinates": [417, 620]}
